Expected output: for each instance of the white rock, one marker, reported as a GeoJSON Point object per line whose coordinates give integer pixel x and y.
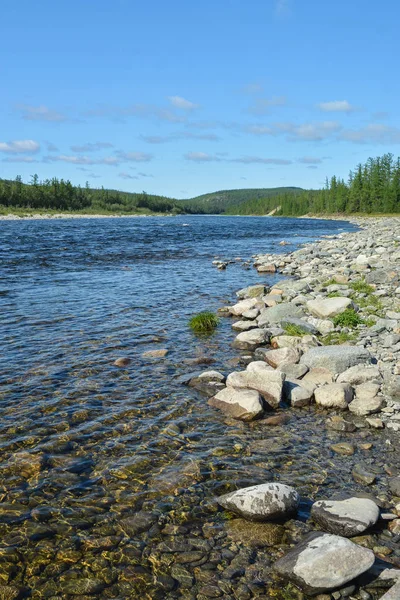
{"type": "Point", "coordinates": [348, 517]}
{"type": "Point", "coordinates": [360, 374]}
{"type": "Point", "coordinates": [259, 376]}
{"type": "Point", "coordinates": [243, 404]}
{"type": "Point", "coordinates": [324, 562]}
{"type": "Point", "coordinates": [328, 307]}
{"type": "Point", "coordinates": [241, 307]}
{"type": "Point", "coordinates": [262, 502]}
{"type": "Point", "coordinates": [249, 340]}
{"type": "Point", "coordinates": [334, 395]}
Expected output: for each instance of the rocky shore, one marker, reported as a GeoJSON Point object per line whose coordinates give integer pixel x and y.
{"type": "Point", "coordinates": [327, 337]}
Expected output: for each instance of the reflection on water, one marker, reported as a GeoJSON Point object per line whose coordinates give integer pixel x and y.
{"type": "Point", "coordinates": [107, 474]}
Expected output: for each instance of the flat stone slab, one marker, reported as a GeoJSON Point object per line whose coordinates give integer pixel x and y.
{"type": "Point", "coordinates": [328, 307]}
{"type": "Point", "coordinates": [345, 517]}
{"type": "Point", "coordinates": [324, 562]}
{"type": "Point", "coordinates": [243, 404]}
{"type": "Point", "coordinates": [276, 314]}
{"type": "Point", "coordinates": [360, 374]}
{"type": "Point", "coordinates": [335, 358]}
{"type": "Point", "coordinates": [262, 502]}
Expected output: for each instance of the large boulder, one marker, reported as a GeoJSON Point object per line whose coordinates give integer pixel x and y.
{"type": "Point", "coordinates": [336, 358]}
{"type": "Point", "coordinates": [334, 395]}
{"type": "Point", "coordinates": [277, 357]}
{"type": "Point", "coordinates": [252, 291]}
{"type": "Point", "coordinates": [345, 517]}
{"type": "Point", "coordinates": [276, 314]}
{"type": "Point", "coordinates": [328, 307]}
{"type": "Point", "coordinates": [250, 340]}
{"type": "Point", "coordinates": [360, 374]}
{"type": "Point", "coordinates": [324, 562]}
{"type": "Point", "coordinates": [262, 502]}
{"type": "Point", "coordinates": [298, 392]}
{"type": "Point", "coordinates": [243, 404]}
{"type": "Point", "coordinates": [366, 401]}
{"type": "Point", "coordinates": [241, 307]}
{"type": "Point", "coordinates": [258, 376]}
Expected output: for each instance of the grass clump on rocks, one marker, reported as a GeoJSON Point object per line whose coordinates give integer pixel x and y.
{"type": "Point", "coordinates": [295, 330]}
{"type": "Point", "coordinates": [204, 322]}
{"type": "Point", "coordinates": [362, 287]}
{"type": "Point", "coordinates": [338, 337]}
{"type": "Point", "coordinates": [348, 318]}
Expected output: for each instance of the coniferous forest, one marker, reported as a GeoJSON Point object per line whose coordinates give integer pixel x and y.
{"type": "Point", "coordinates": [373, 187]}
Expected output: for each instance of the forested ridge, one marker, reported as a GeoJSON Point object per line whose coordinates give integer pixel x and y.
{"type": "Point", "coordinates": [372, 187]}
{"type": "Point", "coordinates": [61, 195]}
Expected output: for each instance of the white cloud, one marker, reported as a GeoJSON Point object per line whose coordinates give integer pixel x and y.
{"type": "Point", "coordinates": [262, 106]}
{"type": "Point", "coordinates": [248, 160]}
{"type": "Point", "coordinates": [163, 139]}
{"type": "Point", "coordinates": [20, 147]}
{"type": "Point", "coordinates": [41, 113]}
{"type": "Point", "coordinates": [20, 159]}
{"type": "Point", "coordinates": [201, 157]}
{"type": "Point", "coordinates": [315, 132]}
{"type": "Point", "coordinates": [127, 176]}
{"type": "Point", "coordinates": [375, 133]}
{"type": "Point", "coordinates": [310, 160]}
{"type": "Point", "coordinates": [134, 156]}
{"type": "Point", "coordinates": [260, 130]}
{"type": "Point", "coordinates": [182, 103]}
{"type": "Point", "coordinates": [83, 160]}
{"type": "Point", "coordinates": [336, 106]}
{"type": "Point", "coordinates": [144, 111]}
{"type": "Point", "coordinates": [91, 147]}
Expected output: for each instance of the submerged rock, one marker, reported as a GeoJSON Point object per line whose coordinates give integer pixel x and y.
{"type": "Point", "coordinates": [324, 562]}
{"type": "Point", "coordinates": [243, 404]}
{"type": "Point", "coordinates": [255, 535]}
{"type": "Point", "coordinates": [345, 517]}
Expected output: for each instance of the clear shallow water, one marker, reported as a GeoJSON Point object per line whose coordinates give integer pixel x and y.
{"type": "Point", "coordinates": [85, 446]}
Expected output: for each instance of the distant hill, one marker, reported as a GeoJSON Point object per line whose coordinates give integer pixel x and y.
{"type": "Point", "coordinates": [225, 201]}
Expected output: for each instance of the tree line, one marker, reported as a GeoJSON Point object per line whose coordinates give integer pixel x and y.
{"type": "Point", "coordinates": [61, 195]}
{"type": "Point", "coordinates": [373, 187]}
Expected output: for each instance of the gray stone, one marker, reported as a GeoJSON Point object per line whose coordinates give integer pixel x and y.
{"type": "Point", "coordinates": [276, 314]}
{"type": "Point", "coordinates": [366, 406]}
{"type": "Point", "coordinates": [244, 325]}
{"type": "Point", "coordinates": [318, 376]}
{"type": "Point", "coordinates": [345, 517]}
{"type": "Point", "coordinates": [335, 358]}
{"type": "Point", "coordinates": [394, 486]}
{"type": "Point", "coordinates": [301, 324]}
{"type": "Point", "coordinates": [242, 404]}
{"type": "Point", "coordinates": [393, 593]}
{"type": "Point", "coordinates": [334, 395]}
{"type": "Point", "coordinates": [362, 475]}
{"type": "Point", "coordinates": [328, 307]}
{"type": "Point", "coordinates": [293, 371]}
{"type": "Point", "coordinates": [298, 393]}
{"type": "Point", "coordinates": [241, 307]}
{"type": "Point", "coordinates": [252, 291]}
{"type": "Point", "coordinates": [360, 374]}
{"type": "Point", "coordinates": [249, 340]}
{"type": "Point", "coordinates": [324, 562]}
{"type": "Point", "coordinates": [262, 502]}
{"type": "Point", "coordinates": [258, 376]}
{"type": "Point", "coordinates": [282, 355]}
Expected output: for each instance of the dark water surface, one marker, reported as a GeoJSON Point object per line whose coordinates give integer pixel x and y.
{"type": "Point", "coordinates": [107, 475]}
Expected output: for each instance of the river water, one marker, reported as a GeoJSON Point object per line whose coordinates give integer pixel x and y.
{"type": "Point", "coordinates": [107, 474]}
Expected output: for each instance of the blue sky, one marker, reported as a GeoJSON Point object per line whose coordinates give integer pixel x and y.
{"type": "Point", "coordinates": [181, 98]}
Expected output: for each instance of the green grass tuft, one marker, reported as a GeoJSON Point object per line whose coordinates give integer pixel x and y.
{"type": "Point", "coordinates": [204, 322]}
{"type": "Point", "coordinates": [336, 338]}
{"type": "Point", "coordinates": [348, 318]}
{"type": "Point", "coordinates": [362, 287]}
{"type": "Point", "coordinates": [330, 282]}
{"type": "Point", "coordinates": [295, 330]}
